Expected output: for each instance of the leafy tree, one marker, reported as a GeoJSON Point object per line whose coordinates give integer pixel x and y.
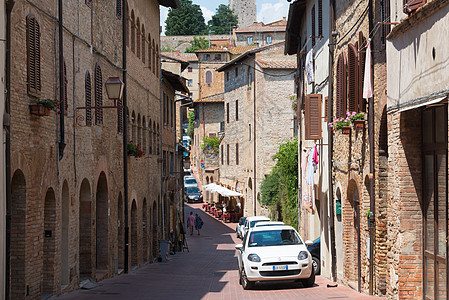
{"type": "Point", "coordinates": [198, 43]}
{"type": "Point", "coordinates": [188, 20]}
{"type": "Point", "coordinates": [223, 20]}
{"type": "Point", "coordinates": [167, 49]}
{"type": "Point", "coordinates": [190, 129]}
{"type": "Point", "coordinates": [210, 144]}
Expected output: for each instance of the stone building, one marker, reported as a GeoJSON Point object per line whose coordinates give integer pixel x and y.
{"type": "Point", "coordinates": [417, 86]}
{"type": "Point", "coordinates": [246, 10]}
{"type": "Point", "coordinates": [3, 135]}
{"type": "Point", "coordinates": [260, 34]}
{"type": "Point", "coordinates": [182, 42]}
{"type": "Point", "coordinates": [258, 116]}
{"type": "Point", "coordinates": [67, 194]}
{"type": "Point", "coordinates": [355, 200]}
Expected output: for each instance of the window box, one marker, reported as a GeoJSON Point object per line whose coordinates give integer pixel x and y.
{"type": "Point", "coordinates": [359, 124]}
{"type": "Point", "coordinates": [39, 110]}
{"type": "Point", "coordinates": [346, 129]}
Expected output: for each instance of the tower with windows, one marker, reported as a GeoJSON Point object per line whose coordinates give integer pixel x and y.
{"type": "Point", "coordinates": [246, 10]}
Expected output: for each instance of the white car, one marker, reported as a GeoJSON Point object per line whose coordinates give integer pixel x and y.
{"type": "Point", "coordinates": [274, 253]}
{"type": "Point", "coordinates": [270, 223]}
{"type": "Point", "coordinates": [190, 181]}
{"type": "Point", "coordinates": [251, 221]}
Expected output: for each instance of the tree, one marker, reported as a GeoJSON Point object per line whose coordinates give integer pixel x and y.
{"type": "Point", "coordinates": [223, 20]}
{"type": "Point", "coordinates": [198, 44]}
{"type": "Point", "coordinates": [188, 20]}
{"type": "Point", "coordinates": [191, 128]}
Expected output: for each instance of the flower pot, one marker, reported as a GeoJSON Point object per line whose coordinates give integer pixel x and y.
{"type": "Point", "coordinates": [346, 130]}
{"type": "Point", "coordinates": [359, 124]}
{"type": "Point", "coordinates": [39, 110]}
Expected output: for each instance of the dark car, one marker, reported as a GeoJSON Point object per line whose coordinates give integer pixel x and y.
{"type": "Point", "coordinates": [193, 194]}
{"type": "Point", "coordinates": [314, 249]}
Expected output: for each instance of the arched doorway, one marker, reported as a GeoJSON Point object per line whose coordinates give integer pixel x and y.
{"type": "Point", "coordinates": [134, 260]}
{"type": "Point", "coordinates": [351, 215]}
{"type": "Point", "coordinates": [155, 244]}
{"type": "Point", "coordinates": [49, 243]}
{"type": "Point", "coordinates": [339, 232]}
{"type": "Point", "coordinates": [249, 196]}
{"type": "Point", "coordinates": [102, 230]}
{"type": "Point", "coordinates": [85, 231]}
{"type": "Point", "coordinates": [65, 218]}
{"type": "Point", "coordinates": [120, 231]}
{"type": "Point", "coordinates": [18, 225]}
{"type": "Point", "coordinates": [144, 231]}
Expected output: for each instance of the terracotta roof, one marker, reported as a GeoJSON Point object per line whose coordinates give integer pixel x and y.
{"type": "Point", "coordinates": [261, 29]}
{"type": "Point", "coordinates": [241, 49]}
{"type": "Point", "coordinates": [213, 50]}
{"type": "Point", "coordinates": [277, 64]}
{"type": "Point", "coordinates": [217, 98]}
{"type": "Point", "coordinates": [170, 3]}
{"type": "Point", "coordinates": [181, 56]}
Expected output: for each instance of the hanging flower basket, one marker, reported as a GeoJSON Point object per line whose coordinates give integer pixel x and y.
{"type": "Point", "coordinates": [346, 129]}
{"type": "Point", "coordinates": [359, 124]}
{"type": "Point", "coordinates": [133, 149]}
{"type": "Point", "coordinates": [39, 110]}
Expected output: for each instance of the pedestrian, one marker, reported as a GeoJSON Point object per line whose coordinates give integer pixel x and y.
{"type": "Point", "coordinates": [191, 222]}
{"type": "Point", "coordinates": [198, 223]}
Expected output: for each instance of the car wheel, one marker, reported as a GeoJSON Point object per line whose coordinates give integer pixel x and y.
{"type": "Point", "coordinates": [246, 284]}
{"type": "Point", "coordinates": [240, 277]}
{"type": "Point", "coordinates": [309, 282]}
{"type": "Point", "coordinates": [316, 265]}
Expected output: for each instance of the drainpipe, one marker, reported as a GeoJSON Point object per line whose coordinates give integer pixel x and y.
{"type": "Point", "coordinates": [125, 138]}
{"type": "Point", "coordinates": [255, 142]}
{"type": "Point", "coordinates": [372, 205]}
{"type": "Point", "coordinates": [332, 38]}
{"type": "Point", "coordinates": [6, 124]}
{"type": "Point", "coordinates": [61, 82]}
{"type": "Point", "coordinates": [161, 151]}
{"type": "Point", "coordinates": [299, 92]}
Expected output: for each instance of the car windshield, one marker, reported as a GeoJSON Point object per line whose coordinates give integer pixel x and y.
{"type": "Point", "coordinates": [193, 190]}
{"type": "Point", "coordinates": [274, 238]}
{"type": "Point", "coordinates": [190, 181]}
{"type": "Point", "coordinates": [252, 223]}
{"type": "Point", "coordinates": [269, 224]}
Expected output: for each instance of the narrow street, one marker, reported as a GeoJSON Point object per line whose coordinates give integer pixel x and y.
{"type": "Point", "coordinates": [208, 271]}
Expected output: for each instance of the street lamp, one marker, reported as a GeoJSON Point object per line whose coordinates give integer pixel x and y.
{"type": "Point", "coordinates": [114, 88]}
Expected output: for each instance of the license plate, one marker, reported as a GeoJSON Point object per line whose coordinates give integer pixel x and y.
{"type": "Point", "coordinates": [280, 268]}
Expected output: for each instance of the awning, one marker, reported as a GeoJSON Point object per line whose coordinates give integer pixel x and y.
{"type": "Point", "coordinates": [225, 192]}
{"type": "Point", "coordinates": [423, 103]}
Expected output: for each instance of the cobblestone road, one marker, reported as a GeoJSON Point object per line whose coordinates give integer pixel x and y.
{"type": "Point", "coordinates": [208, 271]}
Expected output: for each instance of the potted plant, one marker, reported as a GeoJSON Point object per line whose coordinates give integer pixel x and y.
{"type": "Point", "coordinates": [358, 119]}
{"type": "Point", "coordinates": [42, 107]}
{"type": "Point", "coordinates": [133, 149]}
{"type": "Point", "coordinates": [342, 124]}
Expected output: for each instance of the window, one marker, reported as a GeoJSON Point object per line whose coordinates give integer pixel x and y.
{"type": "Point", "coordinates": [133, 32]}
{"type": "Point", "coordinates": [208, 76]}
{"type": "Point", "coordinates": [217, 56]}
{"type": "Point", "coordinates": [190, 82]}
{"type": "Point", "coordinates": [222, 155]}
{"type": "Point", "coordinates": [88, 92]}
{"type": "Point", "coordinates": [236, 72]}
{"type": "Point", "coordinates": [227, 154]}
{"type": "Point", "coordinates": [143, 44]}
{"type": "Point", "coordinates": [156, 66]}
{"type": "Point", "coordinates": [249, 40]}
{"type": "Point", "coordinates": [153, 51]}
{"type": "Point", "coordinates": [189, 69]}
{"type": "Point", "coordinates": [385, 15]}
{"type": "Point", "coordinates": [236, 110]}
{"type": "Point", "coordinates": [98, 95]}
{"type": "Point", "coordinates": [227, 112]}
{"type": "Point", "coordinates": [150, 53]}
{"type": "Point", "coordinates": [353, 88]}
{"type": "Point", "coordinates": [250, 78]}
{"type": "Point", "coordinates": [313, 26]}
{"type": "Point", "coordinates": [172, 106]}
{"type": "Point", "coordinates": [268, 39]}
{"type": "Point", "coordinates": [341, 86]}
{"type": "Point", "coordinates": [237, 154]}
{"type": "Point", "coordinates": [206, 57]}
{"type": "Point", "coordinates": [164, 108]}
{"type": "Point", "coordinates": [320, 18]}
{"type": "Point", "coordinates": [312, 116]}
{"type": "Point", "coordinates": [249, 132]}
{"type": "Point", "coordinates": [227, 76]}
{"type": "Point", "coordinates": [34, 56]}
{"type": "Point", "coordinates": [118, 8]}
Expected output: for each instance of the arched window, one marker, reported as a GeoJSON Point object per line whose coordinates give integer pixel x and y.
{"type": "Point", "coordinates": [134, 129]}
{"type": "Point", "coordinates": [138, 38]}
{"type": "Point", "coordinates": [88, 102]}
{"type": "Point", "coordinates": [128, 24]}
{"type": "Point", "coordinates": [98, 95]}
{"type": "Point", "coordinates": [353, 86]}
{"type": "Point", "coordinates": [144, 134]}
{"type": "Point", "coordinates": [139, 130]}
{"type": "Point", "coordinates": [133, 32]}
{"type": "Point", "coordinates": [208, 76]}
{"type": "Point", "coordinates": [341, 86]}
{"type": "Point", "coordinates": [250, 78]}
{"type": "Point", "coordinates": [150, 53]}
{"type": "Point", "coordinates": [33, 56]}
{"type": "Point", "coordinates": [143, 44]}
{"type": "Point", "coordinates": [157, 60]}
{"type": "Point", "coordinates": [118, 8]}
{"type": "Point", "coordinates": [150, 137]}
{"type": "Point", "coordinates": [153, 48]}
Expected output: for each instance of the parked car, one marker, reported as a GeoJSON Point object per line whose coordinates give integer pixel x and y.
{"type": "Point", "coordinates": [269, 223]}
{"type": "Point", "coordinates": [251, 221]}
{"type": "Point", "coordinates": [190, 181]}
{"type": "Point", "coordinates": [314, 249]}
{"type": "Point", "coordinates": [239, 227]}
{"type": "Point", "coordinates": [274, 253]}
{"type": "Point", "coordinates": [193, 194]}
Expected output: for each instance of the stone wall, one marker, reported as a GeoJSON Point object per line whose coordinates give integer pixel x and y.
{"type": "Point", "coordinates": [246, 10]}
{"type": "Point", "coordinates": [182, 42]}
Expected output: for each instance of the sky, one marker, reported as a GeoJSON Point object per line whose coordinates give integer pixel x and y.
{"type": "Point", "coordinates": [267, 10]}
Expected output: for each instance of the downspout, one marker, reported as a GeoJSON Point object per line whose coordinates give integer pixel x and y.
{"type": "Point", "coordinates": [61, 82]}
{"type": "Point", "coordinates": [161, 151]}
{"type": "Point", "coordinates": [125, 137]}
{"type": "Point", "coordinates": [330, 110]}
{"type": "Point", "coordinates": [299, 91]}
{"type": "Point", "coordinates": [255, 141]}
{"type": "Point", "coordinates": [7, 126]}
{"type": "Point", "coordinates": [372, 205]}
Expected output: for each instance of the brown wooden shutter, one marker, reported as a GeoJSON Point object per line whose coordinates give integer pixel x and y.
{"type": "Point", "coordinates": [326, 108]}
{"type": "Point", "coordinates": [320, 18]}
{"type": "Point", "coordinates": [313, 117]}
{"type": "Point", "coordinates": [37, 56]}
{"type": "Point", "coordinates": [237, 153]}
{"type": "Point", "coordinates": [341, 86]}
{"type": "Point", "coordinates": [362, 58]}
{"type": "Point", "coordinates": [313, 26]}
{"type": "Point", "coordinates": [88, 91]}
{"type": "Point", "coordinates": [98, 95]}
{"type": "Point", "coordinates": [118, 8]}
{"type": "Point", "coordinates": [412, 5]}
{"type": "Point", "coordinates": [120, 117]}
{"type": "Point", "coordinates": [33, 58]}
{"type": "Point", "coordinates": [353, 78]}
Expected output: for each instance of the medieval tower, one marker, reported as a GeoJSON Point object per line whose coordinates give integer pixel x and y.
{"type": "Point", "coordinates": [246, 11]}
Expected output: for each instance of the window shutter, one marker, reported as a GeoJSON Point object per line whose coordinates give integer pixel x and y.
{"type": "Point", "coordinates": [88, 91]}
{"type": "Point", "coordinates": [412, 5]}
{"type": "Point", "coordinates": [353, 78]}
{"type": "Point", "coordinates": [237, 153]}
{"type": "Point", "coordinates": [33, 59]}
{"type": "Point", "coordinates": [320, 17]}
{"type": "Point", "coordinates": [313, 26]}
{"type": "Point", "coordinates": [236, 110]}
{"type": "Point", "coordinates": [37, 56]}
{"type": "Point", "coordinates": [313, 117]}
{"type": "Point", "coordinates": [362, 58]}
{"type": "Point", "coordinates": [341, 86]}
{"type": "Point", "coordinates": [118, 8]}
{"type": "Point", "coordinates": [326, 109]}
{"type": "Point", "coordinates": [120, 116]}
{"type": "Point", "coordinates": [98, 95]}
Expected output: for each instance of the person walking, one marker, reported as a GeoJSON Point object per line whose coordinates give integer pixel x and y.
{"type": "Point", "coordinates": [191, 222]}
{"type": "Point", "coordinates": [198, 223]}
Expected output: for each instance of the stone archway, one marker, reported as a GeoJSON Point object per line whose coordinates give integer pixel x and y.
{"type": "Point", "coordinates": [65, 225]}
{"type": "Point", "coordinates": [144, 231]}
{"type": "Point", "coordinates": [134, 243]}
{"type": "Point", "coordinates": [18, 235]}
{"type": "Point", "coordinates": [351, 235]}
{"type": "Point", "coordinates": [121, 234]}
{"type": "Point", "coordinates": [49, 250]}
{"type": "Point", "coordinates": [85, 230]}
{"type": "Point", "coordinates": [102, 228]}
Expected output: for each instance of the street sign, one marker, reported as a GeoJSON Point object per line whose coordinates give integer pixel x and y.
{"type": "Point", "coordinates": [202, 166]}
